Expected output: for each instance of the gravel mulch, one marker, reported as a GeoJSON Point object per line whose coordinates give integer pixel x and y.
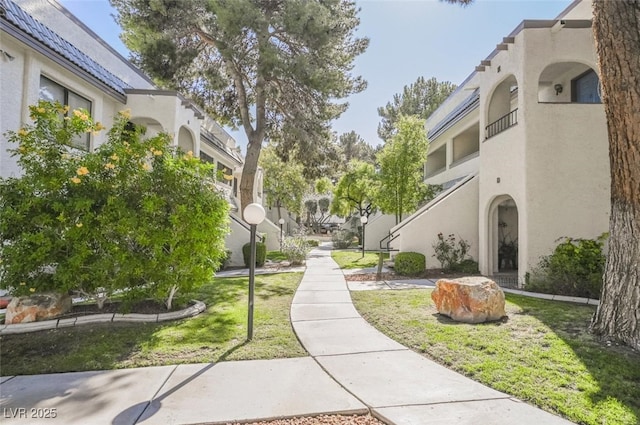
{"type": "Point", "coordinates": [322, 420]}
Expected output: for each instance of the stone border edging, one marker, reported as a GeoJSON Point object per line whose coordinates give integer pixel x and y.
{"type": "Point", "coordinates": [550, 297]}
{"type": "Point", "coordinates": [196, 308]}
{"type": "Point", "coordinates": [577, 300]}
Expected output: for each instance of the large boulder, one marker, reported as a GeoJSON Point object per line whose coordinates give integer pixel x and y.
{"type": "Point", "coordinates": [469, 299]}
{"type": "Point", "coordinates": [37, 307]}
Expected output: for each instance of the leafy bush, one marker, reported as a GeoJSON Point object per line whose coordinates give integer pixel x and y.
{"type": "Point", "coordinates": [224, 260]}
{"type": "Point", "coordinates": [409, 263]}
{"type": "Point", "coordinates": [449, 253]}
{"type": "Point", "coordinates": [131, 216]}
{"type": "Point", "coordinates": [295, 247]}
{"type": "Point", "coordinates": [313, 242]}
{"type": "Point", "coordinates": [261, 253]}
{"type": "Point", "coordinates": [342, 239]}
{"type": "Point", "coordinates": [466, 266]}
{"type": "Point", "coordinates": [575, 268]}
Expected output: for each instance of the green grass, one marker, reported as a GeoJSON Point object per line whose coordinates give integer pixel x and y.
{"type": "Point", "coordinates": [542, 354]}
{"type": "Point", "coordinates": [276, 256]}
{"type": "Point", "coordinates": [217, 334]}
{"type": "Point", "coordinates": [353, 259]}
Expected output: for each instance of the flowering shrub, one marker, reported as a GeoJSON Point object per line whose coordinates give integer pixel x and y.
{"type": "Point", "coordinates": [295, 248]}
{"type": "Point", "coordinates": [133, 215]}
{"type": "Point", "coordinates": [449, 253]}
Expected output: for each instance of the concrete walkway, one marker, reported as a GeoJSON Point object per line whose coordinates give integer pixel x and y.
{"type": "Point", "coordinates": [397, 384]}
{"type": "Point", "coordinates": [353, 368]}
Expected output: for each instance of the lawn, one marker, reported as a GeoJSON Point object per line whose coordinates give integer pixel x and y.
{"type": "Point", "coordinates": [276, 256]}
{"type": "Point", "coordinates": [217, 334]}
{"type": "Point", "coordinates": [542, 353]}
{"type": "Point", "coordinates": [347, 259]}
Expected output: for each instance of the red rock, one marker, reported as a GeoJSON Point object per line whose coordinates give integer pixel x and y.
{"type": "Point", "coordinates": [4, 302]}
{"type": "Point", "coordinates": [469, 299]}
{"type": "Point", "coordinates": [36, 307]}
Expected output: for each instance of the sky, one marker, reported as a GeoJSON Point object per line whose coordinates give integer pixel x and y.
{"type": "Point", "coordinates": [408, 39]}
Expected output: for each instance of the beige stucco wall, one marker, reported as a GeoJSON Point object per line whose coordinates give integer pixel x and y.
{"type": "Point", "coordinates": [237, 237]}
{"type": "Point", "coordinates": [580, 10]}
{"type": "Point", "coordinates": [455, 214]}
{"type": "Point", "coordinates": [377, 228]}
{"type": "Point", "coordinates": [271, 232]}
{"type": "Point", "coordinates": [554, 162]}
{"type": "Point", "coordinates": [20, 85]}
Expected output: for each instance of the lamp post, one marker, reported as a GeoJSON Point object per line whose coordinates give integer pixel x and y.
{"type": "Point", "coordinates": [253, 214]}
{"type": "Point", "coordinates": [281, 222]}
{"type": "Point", "coordinates": [363, 220]}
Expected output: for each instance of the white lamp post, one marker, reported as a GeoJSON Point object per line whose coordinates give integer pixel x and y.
{"type": "Point", "coordinates": [254, 215]}
{"type": "Point", "coordinates": [281, 222]}
{"type": "Point", "coordinates": [363, 220]}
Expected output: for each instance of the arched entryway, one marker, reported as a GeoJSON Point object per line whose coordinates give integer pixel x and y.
{"type": "Point", "coordinates": [503, 240]}
{"type": "Point", "coordinates": [185, 140]}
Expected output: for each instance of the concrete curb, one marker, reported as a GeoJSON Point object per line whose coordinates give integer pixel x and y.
{"type": "Point", "coordinates": [373, 285]}
{"type": "Point", "coordinates": [196, 308]}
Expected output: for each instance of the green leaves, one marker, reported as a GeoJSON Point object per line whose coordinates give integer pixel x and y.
{"type": "Point", "coordinates": [421, 98]}
{"type": "Point", "coordinates": [275, 68]}
{"type": "Point", "coordinates": [401, 160]}
{"type": "Point", "coordinates": [356, 190]}
{"type": "Point", "coordinates": [133, 215]}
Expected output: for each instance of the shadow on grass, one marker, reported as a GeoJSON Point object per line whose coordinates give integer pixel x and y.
{"type": "Point", "coordinates": [211, 336]}
{"type": "Point", "coordinates": [446, 320]}
{"type": "Point", "coordinates": [616, 369]}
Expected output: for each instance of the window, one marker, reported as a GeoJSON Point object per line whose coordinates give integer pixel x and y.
{"type": "Point", "coordinates": [52, 91]}
{"type": "Point", "coordinates": [227, 174]}
{"type": "Point", "coordinates": [586, 88]}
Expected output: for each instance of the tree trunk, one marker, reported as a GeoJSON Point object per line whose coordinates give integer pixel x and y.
{"type": "Point", "coordinates": [249, 171]}
{"type": "Point", "coordinates": [616, 27]}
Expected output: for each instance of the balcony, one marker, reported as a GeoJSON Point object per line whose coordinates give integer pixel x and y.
{"type": "Point", "coordinates": [502, 123]}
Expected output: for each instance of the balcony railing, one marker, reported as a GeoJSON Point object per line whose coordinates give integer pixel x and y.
{"type": "Point", "coordinates": [502, 123]}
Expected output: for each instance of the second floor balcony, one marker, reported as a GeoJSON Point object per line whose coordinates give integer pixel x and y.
{"type": "Point", "coordinates": [501, 124]}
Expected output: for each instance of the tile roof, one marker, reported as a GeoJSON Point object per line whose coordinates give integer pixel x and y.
{"type": "Point", "coordinates": [25, 23]}
{"type": "Point", "coordinates": [460, 111]}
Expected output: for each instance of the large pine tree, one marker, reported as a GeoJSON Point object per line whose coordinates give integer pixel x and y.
{"type": "Point", "coordinates": [264, 65]}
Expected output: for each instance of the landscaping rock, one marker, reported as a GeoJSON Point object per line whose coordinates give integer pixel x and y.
{"type": "Point", "coordinates": [37, 307]}
{"type": "Point", "coordinates": [469, 299]}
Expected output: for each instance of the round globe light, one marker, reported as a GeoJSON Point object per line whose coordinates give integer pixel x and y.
{"type": "Point", "coordinates": [281, 221]}
{"type": "Point", "coordinates": [254, 213]}
{"type": "Point", "coordinates": [363, 219]}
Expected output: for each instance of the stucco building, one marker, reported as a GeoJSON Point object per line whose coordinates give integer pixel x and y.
{"type": "Point", "coordinates": [47, 53]}
{"type": "Point", "coordinates": [521, 149]}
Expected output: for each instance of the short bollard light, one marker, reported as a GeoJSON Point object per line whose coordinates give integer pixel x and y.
{"type": "Point", "coordinates": [281, 222]}
{"type": "Point", "coordinates": [363, 220]}
{"type": "Point", "coordinates": [254, 215]}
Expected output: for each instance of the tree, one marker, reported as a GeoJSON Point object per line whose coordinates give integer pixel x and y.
{"type": "Point", "coordinates": [617, 34]}
{"type": "Point", "coordinates": [356, 190]}
{"type": "Point", "coordinates": [323, 186]}
{"type": "Point", "coordinates": [354, 147]}
{"type": "Point", "coordinates": [284, 183]}
{"type": "Point", "coordinates": [132, 216]}
{"type": "Point", "coordinates": [615, 27]}
{"type": "Point", "coordinates": [318, 153]}
{"type": "Point", "coordinates": [272, 67]}
{"type": "Point", "coordinates": [401, 161]}
{"type": "Point", "coordinates": [421, 98]}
